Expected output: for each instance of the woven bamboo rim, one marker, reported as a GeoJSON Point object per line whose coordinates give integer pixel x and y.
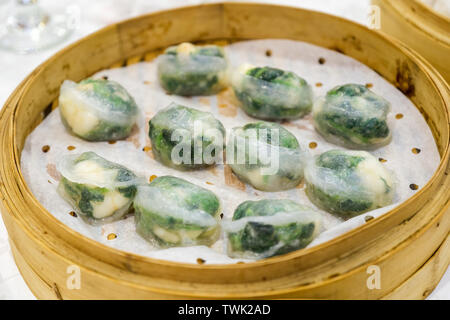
{"type": "Point", "coordinates": [419, 27]}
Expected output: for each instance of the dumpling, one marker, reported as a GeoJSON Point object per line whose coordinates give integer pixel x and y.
{"type": "Point", "coordinates": [186, 138]}
{"type": "Point", "coordinates": [189, 70]}
{"type": "Point", "coordinates": [272, 94]}
{"type": "Point", "coordinates": [353, 116]}
{"type": "Point", "coordinates": [174, 212]}
{"type": "Point", "coordinates": [97, 189]}
{"type": "Point", "coordinates": [348, 183]}
{"type": "Point", "coordinates": [265, 228]}
{"type": "Point", "coordinates": [97, 109]}
{"type": "Point", "coordinates": [265, 155]}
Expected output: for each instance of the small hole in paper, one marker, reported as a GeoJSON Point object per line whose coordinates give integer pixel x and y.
{"type": "Point", "coordinates": [112, 236]}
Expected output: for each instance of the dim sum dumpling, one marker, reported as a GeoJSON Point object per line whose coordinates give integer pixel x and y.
{"type": "Point", "coordinates": [189, 70]}
{"type": "Point", "coordinates": [97, 189]}
{"type": "Point", "coordinates": [348, 183]}
{"type": "Point", "coordinates": [97, 109]}
{"type": "Point", "coordinates": [185, 138]}
{"type": "Point", "coordinates": [272, 94]}
{"type": "Point", "coordinates": [353, 116]}
{"type": "Point", "coordinates": [175, 212]}
{"type": "Point", "coordinates": [265, 155]}
{"type": "Point", "coordinates": [265, 228]}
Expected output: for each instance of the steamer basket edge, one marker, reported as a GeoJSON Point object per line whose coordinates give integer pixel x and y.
{"type": "Point", "coordinates": [419, 27]}
{"type": "Point", "coordinates": [245, 17]}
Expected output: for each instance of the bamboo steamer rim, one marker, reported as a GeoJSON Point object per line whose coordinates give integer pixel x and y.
{"type": "Point", "coordinates": [7, 117]}
{"type": "Point", "coordinates": [442, 17]}
{"type": "Point", "coordinates": [423, 18]}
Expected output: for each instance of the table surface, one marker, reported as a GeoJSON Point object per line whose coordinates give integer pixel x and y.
{"type": "Point", "coordinates": [94, 15]}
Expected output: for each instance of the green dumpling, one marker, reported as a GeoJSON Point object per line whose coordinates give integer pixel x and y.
{"type": "Point", "coordinates": [98, 190]}
{"type": "Point", "coordinates": [97, 109]}
{"type": "Point", "coordinates": [186, 138]}
{"type": "Point", "coordinates": [353, 116]}
{"type": "Point", "coordinates": [265, 228]}
{"type": "Point", "coordinates": [189, 70]}
{"type": "Point", "coordinates": [265, 155]}
{"type": "Point", "coordinates": [272, 94]}
{"type": "Point", "coordinates": [175, 212]}
{"type": "Point", "coordinates": [348, 183]}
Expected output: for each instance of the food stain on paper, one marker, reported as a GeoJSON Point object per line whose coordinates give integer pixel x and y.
{"type": "Point", "coordinates": [205, 101]}
{"type": "Point", "coordinates": [134, 136]}
{"type": "Point", "coordinates": [231, 180]}
{"type": "Point", "coordinates": [53, 172]}
{"type": "Point", "coordinates": [227, 103]}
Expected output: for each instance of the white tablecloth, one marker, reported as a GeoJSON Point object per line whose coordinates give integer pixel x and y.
{"type": "Point", "coordinates": [99, 13]}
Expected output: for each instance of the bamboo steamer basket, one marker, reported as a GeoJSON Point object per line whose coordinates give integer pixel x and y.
{"type": "Point", "coordinates": [419, 27]}
{"type": "Point", "coordinates": [410, 244]}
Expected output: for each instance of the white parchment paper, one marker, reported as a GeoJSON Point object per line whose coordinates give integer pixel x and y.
{"type": "Point", "coordinates": [409, 131]}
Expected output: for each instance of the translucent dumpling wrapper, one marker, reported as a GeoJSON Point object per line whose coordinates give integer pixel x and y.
{"type": "Point", "coordinates": [265, 228]}
{"type": "Point", "coordinates": [353, 116]}
{"type": "Point", "coordinates": [266, 156]}
{"type": "Point", "coordinates": [97, 109]}
{"type": "Point", "coordinates": [189, 70]}
{"type": "Point", "coordinates": [186, 138]}
{"type": "Point", "coordinates": [348, 183]}
{"type": "Point", "coordinates": [272, 94]}
{"type": "Point", "coordinates": [174, 212]}
{"type": "Point", "coordinates": [100, 191]}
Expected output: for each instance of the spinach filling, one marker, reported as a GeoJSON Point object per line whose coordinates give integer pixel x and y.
{"type": "Point", "coordinates": [266, 239]}
{"type": "Point", "coordinates": [273, 94]}
{"type": "Point", "coordinates": [83, 196]}
{"type": "Point", "coordinates": [202, 72]}
{"type": "Point", "coordinates": [334, 183]}
{"type": "Point", "coordinates": [106, 100]}
{"type": "Point", "coordinates": [173, 212]}
{"type": "Point", "coordinates": [165, 123]}
{"type": "Point", "coordinates": [270, 137]}
{"type": "Point", "coordinates": [354, 115]}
